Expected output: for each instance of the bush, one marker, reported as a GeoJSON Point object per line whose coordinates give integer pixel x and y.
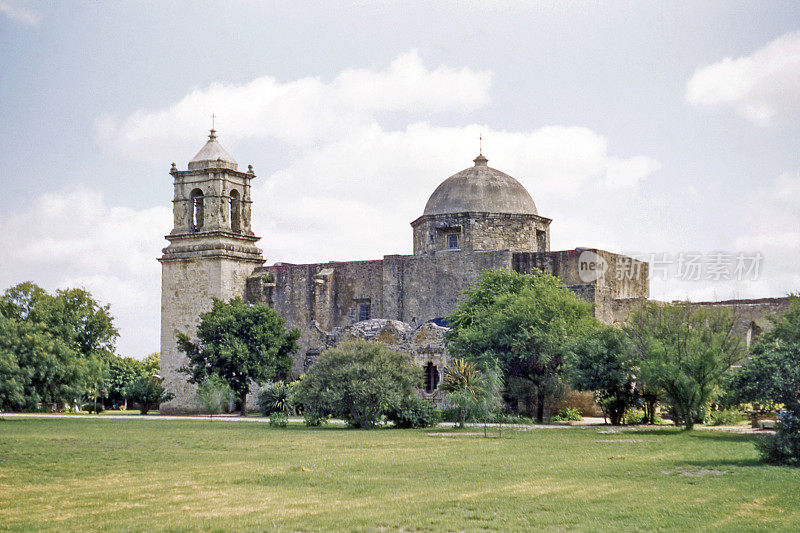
{"type": "Point", "coordinates": [567, 414]}
{"type": "Point", "coordinates": [414, 412]}
{"type": "Point", "coordinates": [314, 419]}
{"type": "Point", "coordinates": [93, 407]}
{"type": "Point", "coordinates": [359, 382]}
{"type": "Point", "coordinates": [723, 417]}
{"type": "Point", "coordinates": [635, 417]}
{"type": "Point", "coordinates": [278, 419]}
{"type": "Point", "coordinates": [784, 447]}
{"type": "Point", "coordinates": [214, 393]}
{"type": "Point", "coordinates": [503, 417]}
{"type": "Point", "coordinates": [148, 392]}
{"type": "Point", "coordinates": [275, 398]}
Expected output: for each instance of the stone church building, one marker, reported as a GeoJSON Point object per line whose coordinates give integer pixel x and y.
{"type": "Point", "coordinates": [479, 218]}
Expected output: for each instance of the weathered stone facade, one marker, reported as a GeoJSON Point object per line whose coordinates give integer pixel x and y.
{"type": "Point", "coordinates": [211, 254]}
{"type": "Point", "coordinates": [478, 219]}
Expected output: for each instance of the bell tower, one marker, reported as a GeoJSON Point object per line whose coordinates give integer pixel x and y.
{"type": "Point", "coordinates": [211, 252]}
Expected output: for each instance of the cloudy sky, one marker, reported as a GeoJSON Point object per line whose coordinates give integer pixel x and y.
{"type": "Point", "coordinates": [665, 130]}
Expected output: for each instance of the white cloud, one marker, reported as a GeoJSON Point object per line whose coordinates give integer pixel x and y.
{"type": "Point", "coordinates": [74, 239]}
{"type": "Point", "coordinates": [621, 173]}
{"type": "Point", "coordinates": [300, 112]}
{"type": "Point", "coordinates": [18, 11]}
{"type": "Point", "coordinates": [355, 197]}
{"type": "Point", "coordinates": [763, 87]}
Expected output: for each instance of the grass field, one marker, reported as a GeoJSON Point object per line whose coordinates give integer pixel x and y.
{"type": "Point", "coordinates": [177, 475]}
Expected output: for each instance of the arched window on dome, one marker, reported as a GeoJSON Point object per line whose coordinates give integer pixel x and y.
{"type": "Point", "coordinates": [236, 210]}
{"type": "Point", "coordinates": [197, 209]}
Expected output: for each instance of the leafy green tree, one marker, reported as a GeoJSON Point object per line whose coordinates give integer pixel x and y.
{"type": "Point", "coordinates": [148, 392]}
{"type": "Point", "coordinates": [359, 381]}
{"type": "Point", "coordinates": [475, 392]}
{"type": "Point", "coordinates": [96, 378]}
{"type": "Point", "coordinates": [242, 343]}
{"type": "Point", "coordinates": [121, 372]}
{"type": "Point", "coordinates": [12, 377]}
{"type": "Point", "coordinates": [46, 368]}
{"type": "Point", "coordinates": [684, 351]}
{"type": "Point", "coordinates": [152, 364]}
{"type": "Point", "coordinates": [771, 376]}
{"type": "Point", "coordinates": [214, 394]}
{"type": "Point", "coordinates": [56, 341]}
{"type": "Point", "coordinates": [523, 323]}
{"type": "Point", "coordinates": [603, 362]}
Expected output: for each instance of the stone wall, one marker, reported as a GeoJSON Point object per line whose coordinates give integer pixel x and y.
{"type": "Point", "coordinates": [481, 232]}
{"type": "Point", "coordinates": [424, 345]}
{"type": "Point", "coordinates": [751, 315]}
{"type": "Point", "coordinates": [187, 289]}
{"type": "Point", "coordinates": [595, 275]}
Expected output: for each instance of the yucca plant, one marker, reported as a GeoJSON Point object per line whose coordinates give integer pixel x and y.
{"type": "Point", "coordinates": [276, 398]}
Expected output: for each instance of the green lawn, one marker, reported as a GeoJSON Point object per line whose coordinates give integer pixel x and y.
{"type": "Point", "coordinates": [95, 474]}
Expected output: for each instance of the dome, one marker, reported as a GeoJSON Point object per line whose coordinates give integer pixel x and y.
{"type": "Point", "coordinates": [480, 189]}
{"type": "Point", "coordinates": [213, 155]}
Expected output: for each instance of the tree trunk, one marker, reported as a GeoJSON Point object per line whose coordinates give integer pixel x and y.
{"type": "Point", "coordinates": [650, 411]}
{"type": "Point", "coordinates": [243, 399]}
{"type": "Point", "coordinates": [540, 408]}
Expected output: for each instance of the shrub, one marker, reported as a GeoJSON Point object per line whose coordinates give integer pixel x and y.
{"type": "Point", "coordinates": [635, 417]}
{"type": "Point", "coordinates": [278, 419]}
{"type": "Point", "coordinates": [214, 393]}
{"type": "Point", "coordinates": [359, 382]}
{"type": "Point", "coordinates": [148, 392]}
{"type": "Point", "coordinates": [502, 417]}
{"type": "Point", "coordinates": [784, 447]}
{"type": "Point", "coordinates": [567, 414]}
{"type": "Point", "coordinates": [93, 407]}
{"type": "Point", "coordinates": [314, 419]}
{"type": "Point", "coordinates": [275, 398]}
{"type": "Point", "coordinates": [414, 412]}
{"type": "Point", "coordinates": [476, 392]}
{"type": "Point", "coordinates": [723, 417]}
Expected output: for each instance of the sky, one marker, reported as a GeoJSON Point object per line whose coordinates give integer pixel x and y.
{"type": "Point", "coordinates": [668, 131]}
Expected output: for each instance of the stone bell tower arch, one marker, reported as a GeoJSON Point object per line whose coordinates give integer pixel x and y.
{"type": "Point", "coordinates": [211, 252]}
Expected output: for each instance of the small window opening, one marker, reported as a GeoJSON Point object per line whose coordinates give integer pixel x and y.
{"type": "Point", "coordinates": [197, 209]}
{"type": "Point", "coordinates": [452, 241]}
{"type": "Point", "coordinates": [431, 378]}
{"type": "Point", "coordinates": [235, 212]}
{"type": "Point", "coordinates": [541, 241]}
{"type": "Point", "coordinates": [363, 312]}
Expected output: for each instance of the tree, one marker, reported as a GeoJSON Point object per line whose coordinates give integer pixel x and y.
{"type": "Point", "coordinates": [53, 344]}
{"type": "Point", "coordinates": [121, 372]}
{"type": "Point", "coordinates": [42, 366]}
{"type": "Point", "coordinates": [148, 392]}
{"type": "Point", "coordinates": [241, 343]}
{"type": "Point", "coordinates": [152, 364]}
{"type": "Point", "coordinates": [603, 362]}
{"type": "Point", "coordinates": [772, 376]}
{"type": "Point", "coordinates": [359, 382]}
{"type": "Point", "coordinates": [685, 351]}
{"type": "Point", "coordinates": [214, 393]}
{"type": "Point", "coordinates": [523, 323]}
{"type": "Point", "coordinates": [475, 392]}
